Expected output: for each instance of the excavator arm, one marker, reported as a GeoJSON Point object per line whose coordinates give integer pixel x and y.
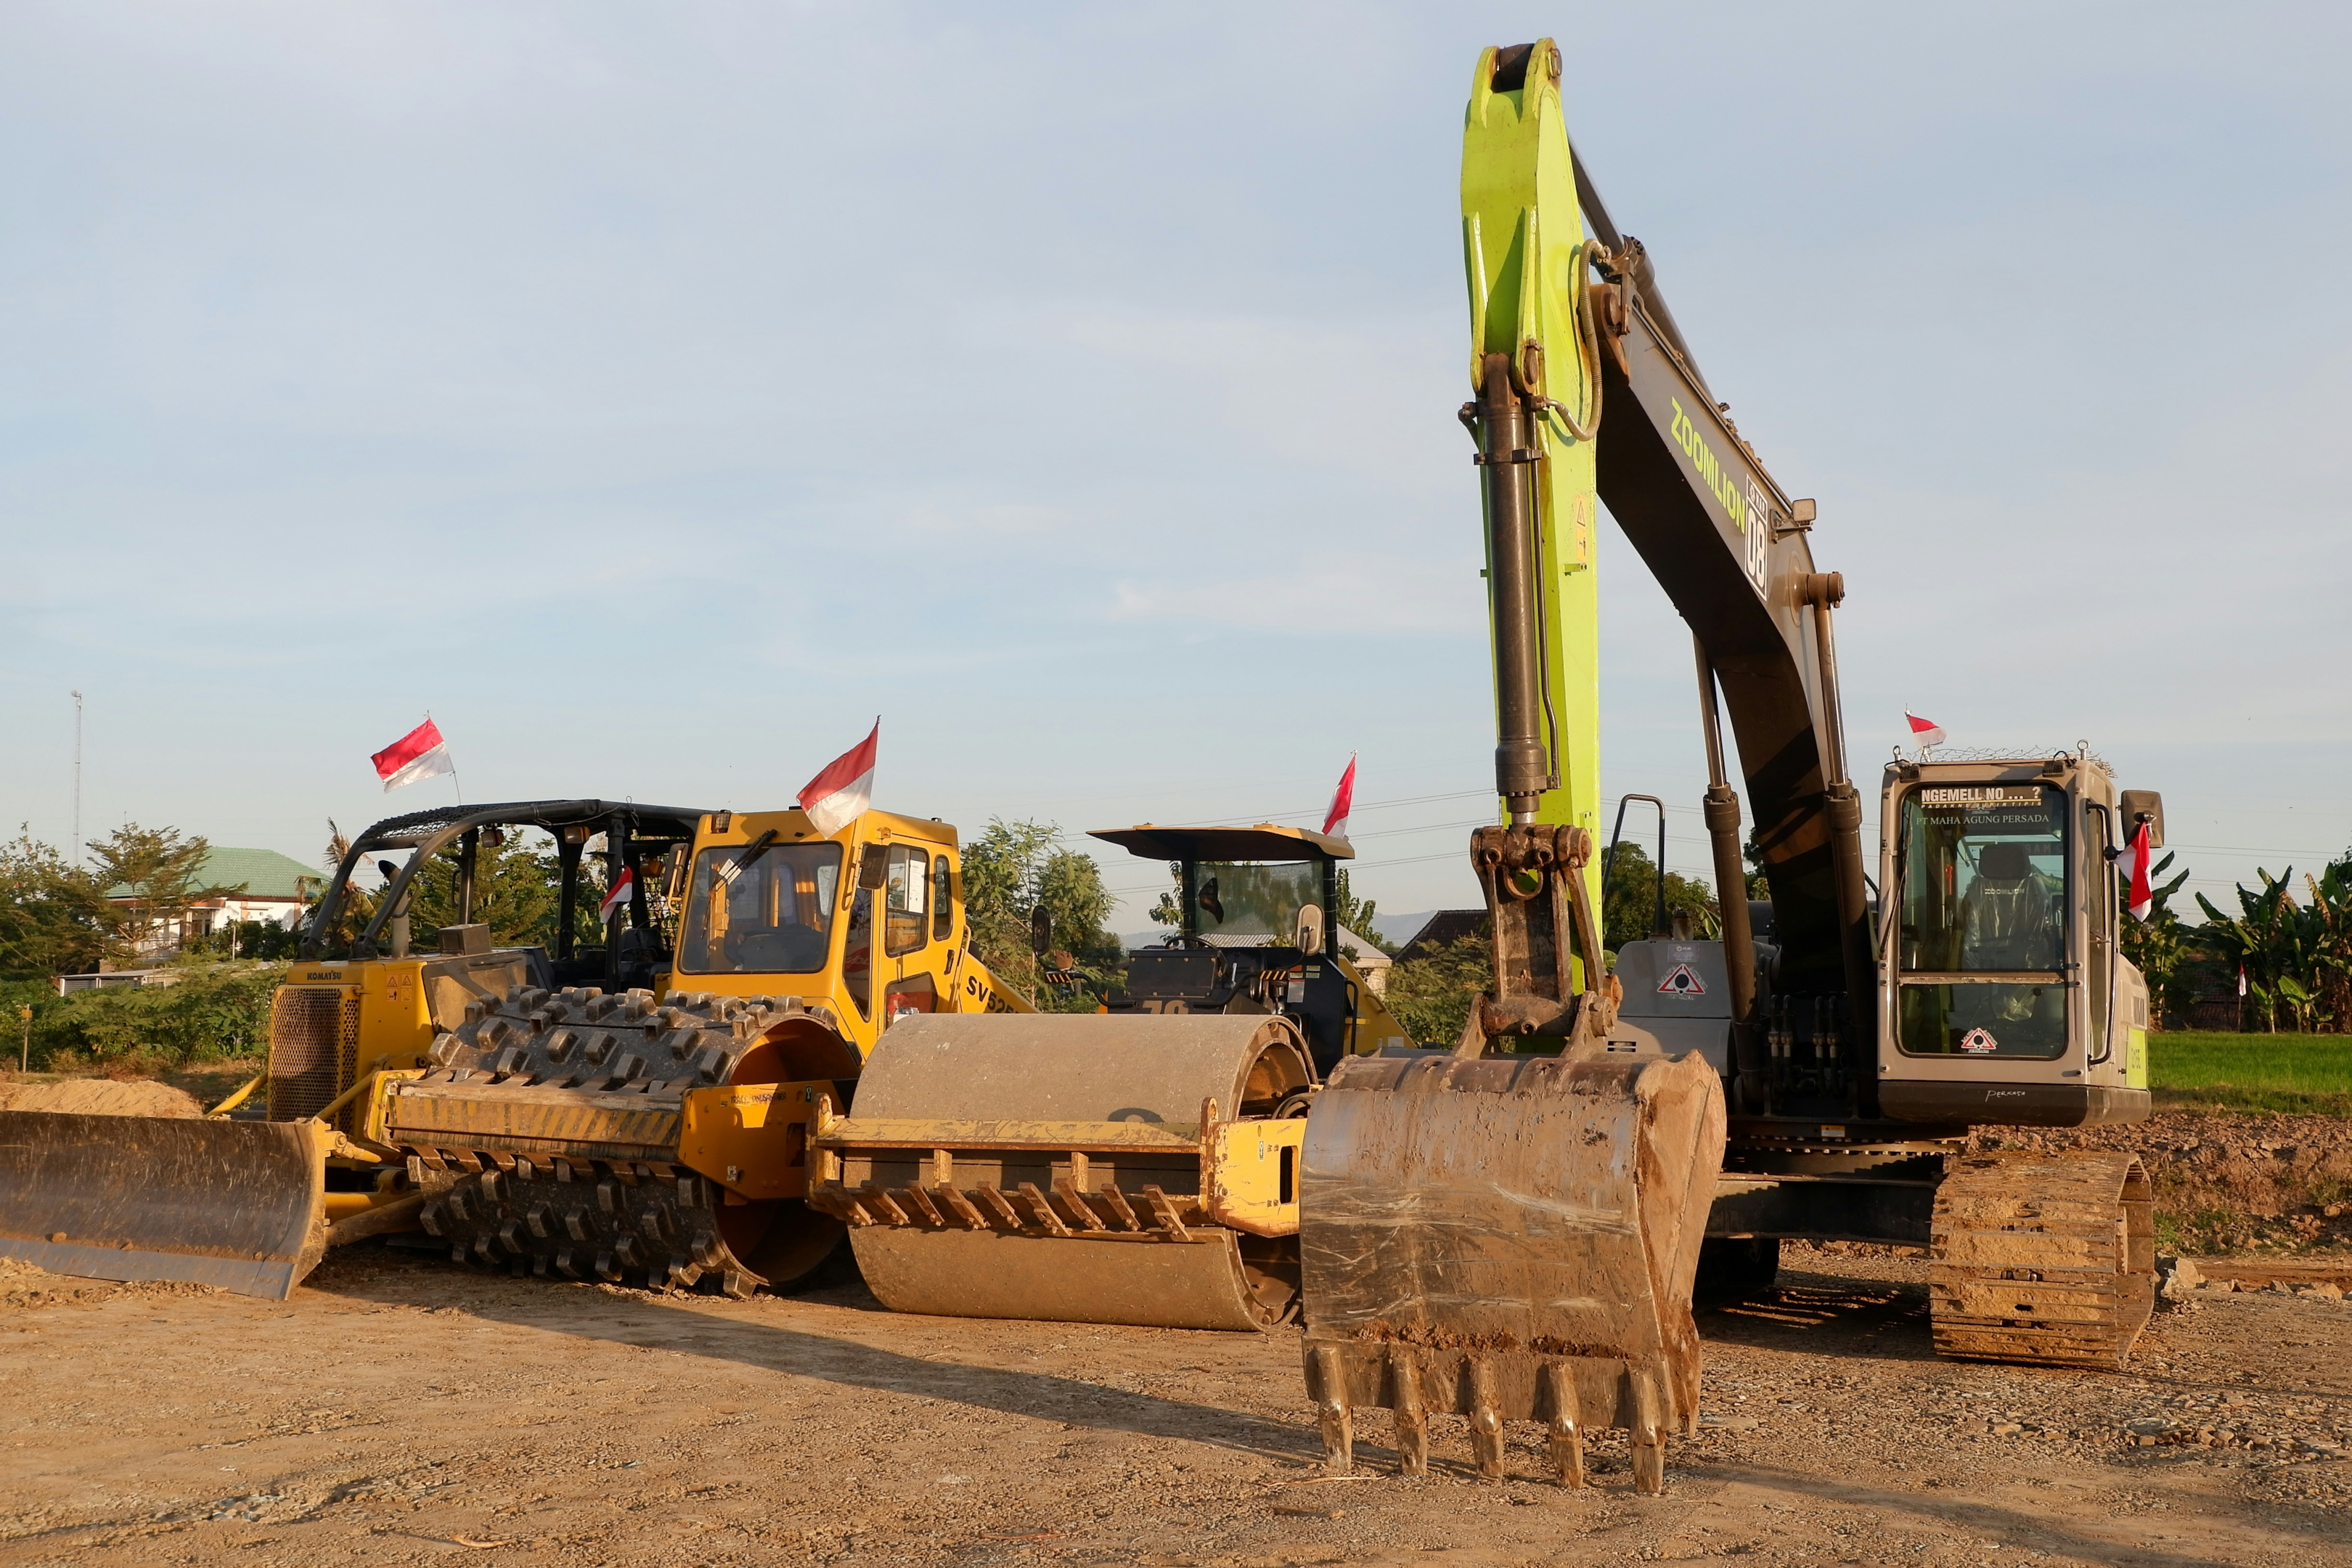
{"type": "Point", "coordinates": [1567, 326]}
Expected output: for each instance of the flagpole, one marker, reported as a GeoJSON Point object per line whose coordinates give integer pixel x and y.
{"type": "Point", "coordinates": [453, 769]}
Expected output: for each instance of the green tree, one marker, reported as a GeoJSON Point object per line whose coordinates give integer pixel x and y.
{"type": "Point", "coordinates": [357, 906]}
{"type": "Point", "coordinates": [1431, 994]}
{"type": "Point", "coordinates": [1630, 904]}
{"type": "Point", "coordinates": [1012, 869]}
{"type": "Point", "coordinates": [153, 876]}
{"type": "Point", "coordinates": [518, 891]}
{"type": "Point", "coordinates": [1356, 914]}
{"type": "Point", "coordinates": [2159, 945]}
{"type": "Point", "coordinates": [2267, 942]}
{"type": "Point", "coordinates": [53, 916]}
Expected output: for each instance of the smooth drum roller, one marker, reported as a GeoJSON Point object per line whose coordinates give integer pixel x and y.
{"type": "Point", "coordinates": [1509, 1237]}
{"type": "Point", "coordinates": [1138, 1169]}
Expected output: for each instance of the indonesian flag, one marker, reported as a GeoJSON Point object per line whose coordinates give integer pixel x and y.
{"type": "Point", "coordinates": [2133, 863]}
{"type": "Point", "coordinates": [845, 787]}
{"type": "Point", "coordinates": [421, 754]}
{"type": "Point", "coordinates": [618, 898]}
{"type": "Point", "coordinates": [1343, 800]}
{"type": "Point", "coordinates": [1924, 731]}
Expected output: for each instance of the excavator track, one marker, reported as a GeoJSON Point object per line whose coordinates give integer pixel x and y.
{"type": "Point", "coordinates": [548, 1133]}
{"type": "Point", "coordinates": [2043, 1258]}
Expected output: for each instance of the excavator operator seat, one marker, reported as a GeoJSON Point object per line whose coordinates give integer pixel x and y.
{"type": "Point", "coordinates": [2008, 924]}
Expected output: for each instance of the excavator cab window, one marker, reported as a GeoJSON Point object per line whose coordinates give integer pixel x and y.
{"type": "Point", "coordinates": [943, 900]}
{"type": "Point", "coordinates": [1983, 936]}
{"type": "Point", "coordinates": [760, 910]}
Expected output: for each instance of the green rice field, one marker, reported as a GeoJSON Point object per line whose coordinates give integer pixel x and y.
{"type": "Point", "coordinates": [2304, 1073]}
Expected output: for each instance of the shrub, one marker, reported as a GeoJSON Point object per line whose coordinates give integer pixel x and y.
{"type": "Point", "coordinates": [220, 1010]}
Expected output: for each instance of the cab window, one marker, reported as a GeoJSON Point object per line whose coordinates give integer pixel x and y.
{"type": "Point", "coordinates": [906, 887]}
{"type": "Point", "coordinates": [1982, 875]}
{"type": "Point", "coordinates": [761, 909]}
{"type": "Point", "coordinates": [943, 900]}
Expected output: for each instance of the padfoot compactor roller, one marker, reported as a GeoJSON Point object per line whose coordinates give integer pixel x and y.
{"type": "Point", "coordinates": [637, 1111]}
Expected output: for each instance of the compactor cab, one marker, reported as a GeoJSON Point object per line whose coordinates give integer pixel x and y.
{"type": "Point", "coordinates": [1254, 934]}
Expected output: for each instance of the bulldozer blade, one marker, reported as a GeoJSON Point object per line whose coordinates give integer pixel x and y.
{"type": "Point", "coordinates": [235, 1204]}
{"type": "Point", "coordinates": [1509, 1238]}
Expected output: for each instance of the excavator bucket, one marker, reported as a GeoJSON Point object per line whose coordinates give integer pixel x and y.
{"type": "Point", "coordinates": [1508, 1238]}
{"type": "Point", "coordinates": [236, 1204]}
{"type": "Point", "coordinates": [1076, 1167]}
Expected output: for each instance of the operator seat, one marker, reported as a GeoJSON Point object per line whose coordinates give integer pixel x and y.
{"type": "Point", "coordinates": [2007, 919]}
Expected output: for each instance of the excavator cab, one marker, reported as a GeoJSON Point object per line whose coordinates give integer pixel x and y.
{"type": "Point", "coordinates": [2006, 996]}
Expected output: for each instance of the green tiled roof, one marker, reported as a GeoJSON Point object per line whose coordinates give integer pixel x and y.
{"type": "Point", "coordinates": [264, 873]}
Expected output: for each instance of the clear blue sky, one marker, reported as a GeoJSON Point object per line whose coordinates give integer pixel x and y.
{"type": "Point", "coordinates": [657, 394]}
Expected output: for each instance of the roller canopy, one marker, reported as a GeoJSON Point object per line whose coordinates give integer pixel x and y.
{"type": "Point", "coordinates": [1263, 842]}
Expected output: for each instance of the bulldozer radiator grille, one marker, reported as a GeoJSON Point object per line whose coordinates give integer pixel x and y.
{"type": "Point", "coordinates": [314, 1038]}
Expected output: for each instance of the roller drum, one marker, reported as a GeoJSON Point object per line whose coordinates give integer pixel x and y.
{"type": "Point", "coordinates": [1050, 1166]}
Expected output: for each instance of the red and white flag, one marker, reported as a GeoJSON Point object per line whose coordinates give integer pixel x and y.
{"type": "Point", "coordinates": [2133, 864]}
{"type": "Point", "coordinates": [1924, 731]}
{"type": "Point", "coordinates": [1343, 800]}
{"type": "Point", "coordinates": [844, 788]}
{"type": "Point", "coordinates": [421, 754]}
{"type": "Point", "coordinates": [618, 898]}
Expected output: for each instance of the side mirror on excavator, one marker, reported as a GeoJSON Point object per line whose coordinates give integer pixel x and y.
{"type": "Point", "coordinates": [874, 867]}
{"type": "Point", "coordinates": [2147, 805]}
{"type": "Point", "coordinates": [1310, 936]}
{"type": "Point", "coordinates": [1041, 931]}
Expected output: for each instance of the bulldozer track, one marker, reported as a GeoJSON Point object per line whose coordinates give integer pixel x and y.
{"type": "Point", "coordinates": [2042, 1258]}
{"type": "Point", "coordinates": [579, 1182]}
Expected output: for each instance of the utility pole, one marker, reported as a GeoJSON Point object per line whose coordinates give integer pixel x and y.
{"type": "Point", "coordinates": [24, 1051]}
{"type": "Point", "coordinates": [77, 831]}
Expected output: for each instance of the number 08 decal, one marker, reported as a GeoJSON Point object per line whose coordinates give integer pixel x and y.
{"type": "Point", "coordinates": [1758, 532]}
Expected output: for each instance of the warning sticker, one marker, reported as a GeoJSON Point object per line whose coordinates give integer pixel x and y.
{"type": "Point", "coordinates": [1979, 1042]}
{"type": "Point", "coordinates": [1683, 981]}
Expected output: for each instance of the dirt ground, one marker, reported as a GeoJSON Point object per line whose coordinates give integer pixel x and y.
{"type": "Point", "coordinates": [399, 1409]}
{"type": "Point", "coordinates": [2227, 1181]}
